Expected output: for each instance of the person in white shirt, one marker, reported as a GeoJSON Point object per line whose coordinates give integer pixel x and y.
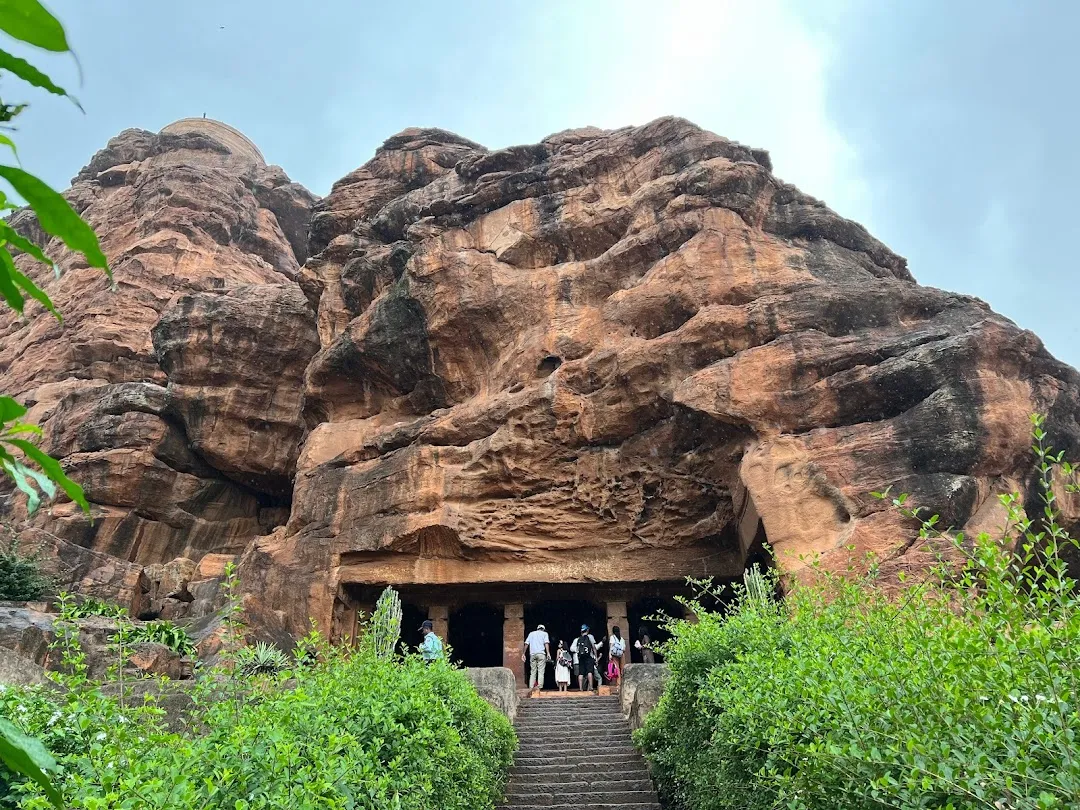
{"type": "Point", "coordinates": [616, 649]}
{"type": "Point", "coordinates": [538, 647]}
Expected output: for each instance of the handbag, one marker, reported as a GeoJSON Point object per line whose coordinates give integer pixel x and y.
{"type": "Point", "coordinates": [612, 670]}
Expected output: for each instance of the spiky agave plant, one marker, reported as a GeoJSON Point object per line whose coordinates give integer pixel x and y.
{"type": "Point", "coordinates": [262, 659]}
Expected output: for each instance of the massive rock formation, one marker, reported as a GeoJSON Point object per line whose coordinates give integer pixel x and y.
{"type": "Point", "coordinates": [613, 356]}
{"type": "Point", "coordinates": [154, 394]}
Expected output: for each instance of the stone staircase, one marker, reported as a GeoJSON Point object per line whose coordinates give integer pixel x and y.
{"type": "Point", "coordinates": [576, 754]}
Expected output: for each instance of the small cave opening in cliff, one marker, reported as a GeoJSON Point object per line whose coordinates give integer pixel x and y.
{"type": "Point", "coordinates": [412, 616]}
{"type": "Point", "coordinates": [647, 617]}
{"type": "Point", "coordinates": [548, 365]}
{"type": "Point", "coordinates": [563, 619]}
{"type": "Point", "coordinates": [475, 635]}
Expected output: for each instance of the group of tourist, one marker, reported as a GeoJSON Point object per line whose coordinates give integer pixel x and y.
{"type": "Point", "coordinates": [580, 657]}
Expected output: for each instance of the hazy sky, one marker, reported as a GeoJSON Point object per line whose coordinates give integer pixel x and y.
{"type": "Point", "coordinates": [947, 127]}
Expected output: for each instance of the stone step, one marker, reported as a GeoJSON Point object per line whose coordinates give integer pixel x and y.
{"type": "Point", "coordinates": [592, 771]}
{"type": "Point", "coordinates": [601, 729]}
{"type": "Point", "coordinates": [613, 715]}
{"type": "Point", "coordinates": [583, 747]}
{"type": "Point", "coordinates": [554, 732]}
{"type": "Point", "coordinates": [583, 761]}
{"type": "Point", "coordinates": [586, 799]}
{"type": "Point", "coordinates": [574, 783]}
{"type": "Point", "coordinates": [651, 805]}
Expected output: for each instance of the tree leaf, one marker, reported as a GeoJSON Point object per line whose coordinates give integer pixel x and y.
{"type": "Point", "coordinates": [43, 481]}
{"type": "Point", "coordinates": [6, 141]}
{"type": "Point", "coordinates": [27, 20]}
{"type": "Point", "coordinates": [10, 410]}
{"type": "Point", "coordinates": [56, 216]}
{"type": "Point", "coordinates": [31, 289]}
{"type": "Point", "coordinates": [51, 467]}
{"type": "Point", "coordinates": [10, 235]}
{"type": "Point", "coordinates": [17, 473]}
{"type": "Point", "coordinates": [29, 757]}
{"type": "Point", "coordinates": [8, 290]}
{"type": "Point", "coordinates": [28, 73]}
{"type": "Point", "coordinates": [21, 427]}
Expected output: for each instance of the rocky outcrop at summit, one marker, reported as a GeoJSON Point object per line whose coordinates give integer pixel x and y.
{"type": "Point", "coordinates": [625, 355]}
{"type": "Point", "coordinates": [183, 448]}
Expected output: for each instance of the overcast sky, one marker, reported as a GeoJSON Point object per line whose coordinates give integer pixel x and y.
{"type": "Point", "coordinates": [947, 127]}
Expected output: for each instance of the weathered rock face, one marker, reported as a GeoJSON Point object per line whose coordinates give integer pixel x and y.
{"type": "Point", "coordinates": [592, 358]}
{"type": "Point", "coordinates": [183, 434]}
{"type": "Point", "coordinates": [613, 356]}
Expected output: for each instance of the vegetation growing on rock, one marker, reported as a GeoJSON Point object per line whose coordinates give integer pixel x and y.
{"type": "Point", "coordinates": [340, 728]}
{"type": "Point", "coordinates": [961, 694]}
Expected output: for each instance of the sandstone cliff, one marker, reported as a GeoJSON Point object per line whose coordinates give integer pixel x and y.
{"type": "Point", "coordinates": [591, 359]}
{"type": "Point", "coordinates": [154, 394]}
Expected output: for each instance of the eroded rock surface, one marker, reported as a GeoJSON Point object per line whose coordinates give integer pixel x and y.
{"type": "Point", "coordinates": [185, 448]}
{"type": "Point", "coordinates": [613, 356]}
{"type": "Point", "coordinates": [589, 359]}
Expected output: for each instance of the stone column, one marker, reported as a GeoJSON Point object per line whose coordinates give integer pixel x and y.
{"type": "Point", "coordinates": [514, 641]}
{"type": "Point", "coordinates": [440, 620]}
{"type": "Point", "coordinates": [616, 617]}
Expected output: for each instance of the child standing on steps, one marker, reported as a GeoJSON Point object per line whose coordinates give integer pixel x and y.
{"type": "Point", "coordinates": [563, 664]}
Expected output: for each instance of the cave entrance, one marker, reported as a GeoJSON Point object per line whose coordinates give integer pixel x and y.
{"type": "Point", "coordinates": [644, 617]}
{"type": "Point", "coordinates": [412, 616]}
{"type": "Point", "coordinates": [563, 619]}
{"type": "Point", "coordinates": [475, 635]}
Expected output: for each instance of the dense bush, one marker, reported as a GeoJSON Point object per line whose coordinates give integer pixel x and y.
{"type": "Point", "coordinates": [345, 731]}
{"type": "Point", "coordinates": [962, 693]}
{"type": "Point", "coordinates": [20, 575]}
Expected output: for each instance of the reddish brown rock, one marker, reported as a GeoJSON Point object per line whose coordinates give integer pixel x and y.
{"type": "Point", "coordinates": [600, 359]}
{"type": "Point", "coordinates": [199, 230]}
{"type": "Point", "coordinates": [606, 361]}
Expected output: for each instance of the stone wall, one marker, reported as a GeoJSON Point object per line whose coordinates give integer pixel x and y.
{"type": "Point", "coordinates": [497, 686]}
{"type": "Point", "coordinates": [642, 686]}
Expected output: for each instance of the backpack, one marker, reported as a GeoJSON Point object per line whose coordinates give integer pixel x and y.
{"type": "Point", "coordinates": [584, 647]}
{"type": "Point", "coordinates": [612, 670]}
{"type": "Point", "coordinates": [618, 647]}
{"type": "Point", "coordinates": [565, 660]}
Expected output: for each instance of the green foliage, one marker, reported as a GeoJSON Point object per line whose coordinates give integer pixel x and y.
{"type": "Point", "coordinates": [27, 756]}
{"type": "Point", "coordinates": [72, 608]}
{"type": "Point", "coordinates": [20, 575]}
{"type": "Point", "coordinates": [384, 630]}
{"type": "Point", "coordinates": [159, 632]}
{"type": "Point", "coordinates": [962, 693]}
{"type": "Point", "coordinates": [34, 472]}
{"type": "Point", "coordinates": [262, 659]}
{"type": "Point", "coordinates": [358, 731]}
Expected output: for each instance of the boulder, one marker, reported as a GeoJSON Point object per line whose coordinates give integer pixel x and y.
{"type": "Point", "coordinates": [640, 691]}
{"type": "Point", "coordinates": [15, 670]}
{"type": "Point", "coordinates": [497, 686]}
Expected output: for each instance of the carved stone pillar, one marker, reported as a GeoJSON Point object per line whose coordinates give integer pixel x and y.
{"type": "Point", "coordinates": [616, 617]}
{"type": "Point", "coordinates": [514, 641]}
{"type": "Point", "coordinates": [440, 620]}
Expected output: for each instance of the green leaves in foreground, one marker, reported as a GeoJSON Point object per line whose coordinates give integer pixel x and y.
{"type": "Point", "coordinates": [28, 757]}
{"type": "Point", "coordinates": [56, 216]}
{"type": "Point", "coordinates": [27, 20]}
{"type": "Point", "coordinates": [34, 483]}
{"type": "Point", "coordinates": [33, 471]}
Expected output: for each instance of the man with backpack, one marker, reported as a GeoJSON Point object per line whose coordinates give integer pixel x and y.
{"type": "Point", "coordinates": [585, 652]}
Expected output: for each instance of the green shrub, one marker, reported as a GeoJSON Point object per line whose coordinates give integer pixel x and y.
{"type": "Point", "coordinates": [20, 575]}
{"type": "Point", "coordinates": [262, 659]}
{"type": "Point", "coordinates": [962, 693]}
{"type": "Point", "coordinates": [356, 731]}
{"type": "Point", "coordinates": [72, 608]}
{"type": "Point", "coordinates": [160, 632]}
